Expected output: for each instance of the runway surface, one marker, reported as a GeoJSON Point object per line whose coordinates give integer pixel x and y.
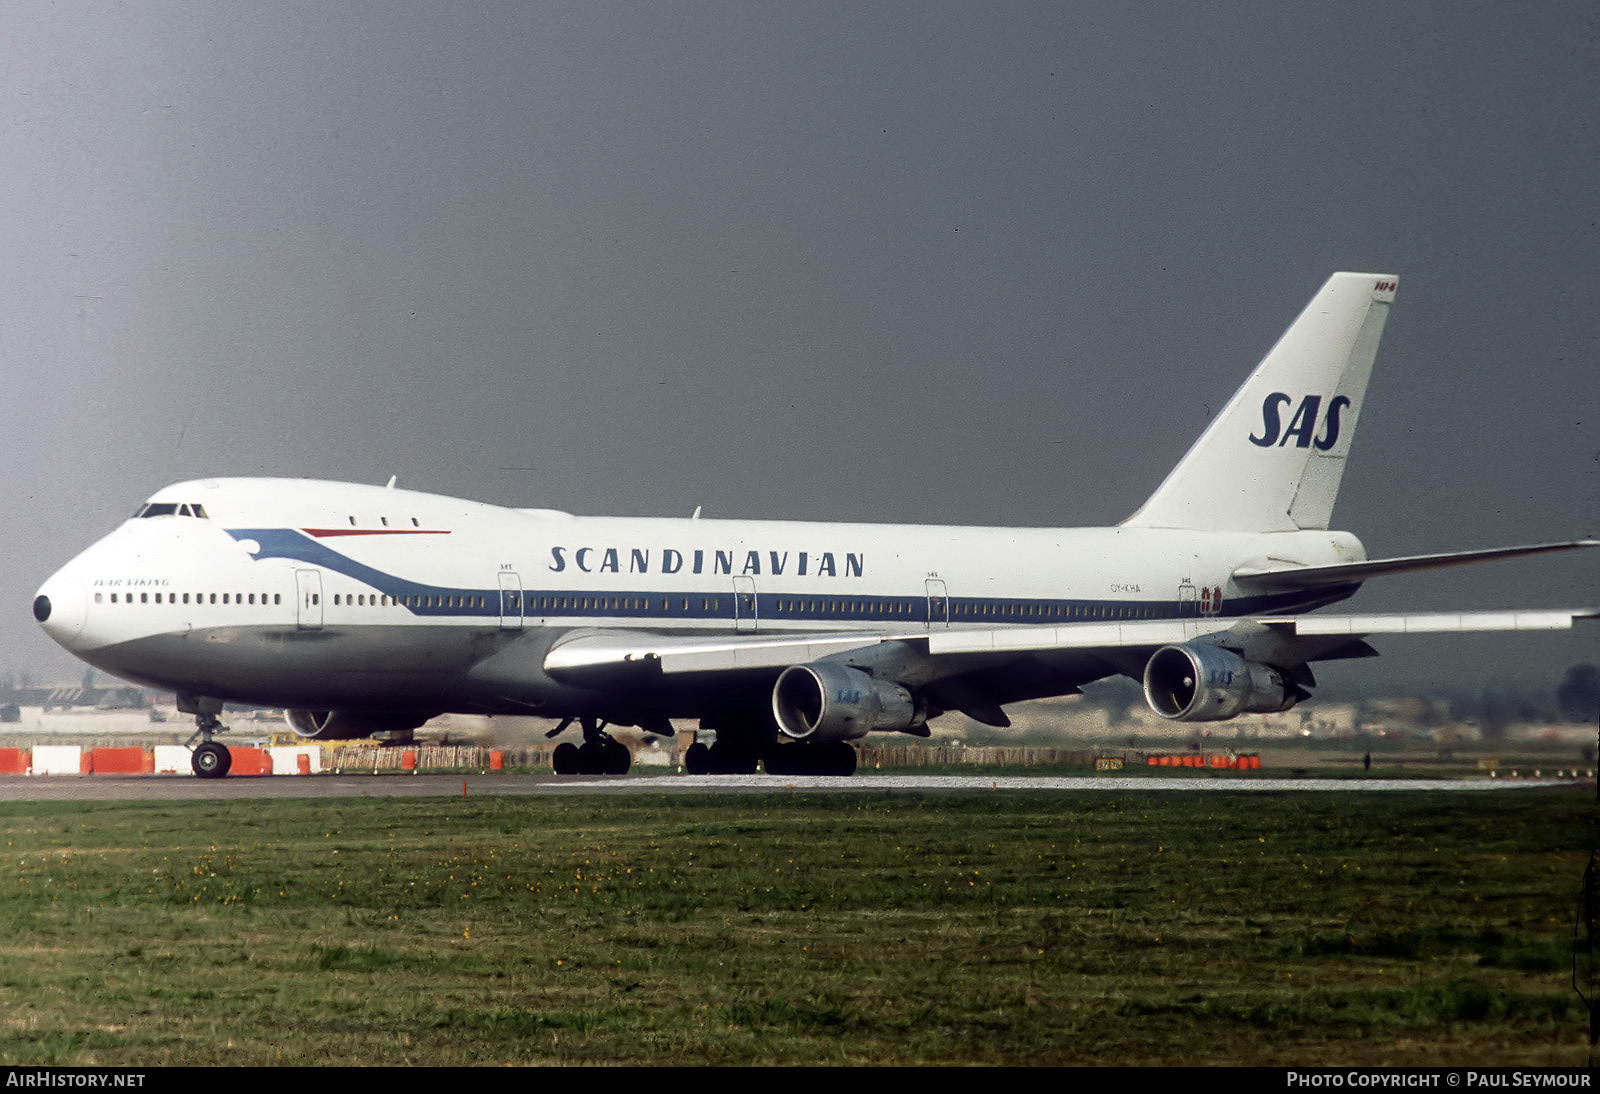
{"type": "Point", "coordinates": [182, 788]}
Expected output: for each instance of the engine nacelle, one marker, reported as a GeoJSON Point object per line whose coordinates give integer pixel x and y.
{"type": "Point", "coordinates": [339, 725]}
{"type": "Point", "coordinates": [823, 701]}
{"type": "Point", "coordinates": [1201, 683]}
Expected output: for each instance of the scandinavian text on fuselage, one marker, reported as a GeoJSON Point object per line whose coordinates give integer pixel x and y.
{"type": "Point", "coordinates": [669, 560]}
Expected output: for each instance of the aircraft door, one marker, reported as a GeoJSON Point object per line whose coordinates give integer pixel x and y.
{"type": "Point", "coordinates": [510, 601]}
{"type": "Point", "coordinates": [746, 619]}
{"type": "Point", "coordinates": [938, 603]}
{"type": "Point", "coordinates": [308, 599]}
{"type": "Point", "coordinates": [1188, 601]}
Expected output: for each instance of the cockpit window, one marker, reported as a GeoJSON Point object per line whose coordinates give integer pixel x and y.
{"type": "Point", "coordinates": [171, 509]}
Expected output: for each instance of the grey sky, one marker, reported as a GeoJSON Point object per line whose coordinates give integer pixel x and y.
{"type": "Point", "coordinates": [982, 264]}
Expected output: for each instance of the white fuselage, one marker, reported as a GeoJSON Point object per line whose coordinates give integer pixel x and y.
{"type": "Point", "coordinates": [310, 593]}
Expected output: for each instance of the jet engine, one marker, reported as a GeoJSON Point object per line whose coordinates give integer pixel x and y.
{"type": "Point", "coordinates": [1201, 683]}
{"type": "Point", "coordinates": [823, 701]}
{"type": "Point", "coordinates": [339, 725]}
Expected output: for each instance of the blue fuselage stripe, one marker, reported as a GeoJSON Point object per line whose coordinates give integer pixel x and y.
{"type": "Point", "coordinates": [726, 602]}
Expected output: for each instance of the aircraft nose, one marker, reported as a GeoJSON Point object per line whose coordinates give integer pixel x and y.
{"type": "Point", "coordinates": [59, 608]}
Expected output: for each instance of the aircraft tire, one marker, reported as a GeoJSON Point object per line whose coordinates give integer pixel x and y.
{"type": "Point", "coordinates": [617, 759]}
{"type": "Point", "coordinates": [591, 758]}
{"type": "Point", "coordinates": [835, 758]}
{"type": "Point", "coordinates": [779, 761]}
{"type": "Point", "coordinates": [841, 759]}
{"type": "Point", "coordinates": [727, 761]}
{"type": "Point", "coordinates": [565, 758]}
{"type": "Point", "coordinates": [697, 759]}
{"type": "Point", "coordinates": [211, 760]}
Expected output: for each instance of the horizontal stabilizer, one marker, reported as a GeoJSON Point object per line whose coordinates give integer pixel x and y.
{"type": "Point", "coordinates": [1305, 577]}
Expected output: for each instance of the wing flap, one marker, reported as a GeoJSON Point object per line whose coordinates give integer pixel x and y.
{"type": "Point", "coordinates": [1146, 632]}
{"type": "Point", "coordinates": [1163, 632]}
{"type": "Point", "coordinates": [692, 653]}
{"type": "Point", "coordinates": [1439, 622]}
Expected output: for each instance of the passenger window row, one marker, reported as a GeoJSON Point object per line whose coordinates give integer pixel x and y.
{"type": "Point", "coordinates": [1057, 611]}
{"type": "Point", "coordinates": [198, 598]}
{"type": "Point", "coordinates": [520, 602]}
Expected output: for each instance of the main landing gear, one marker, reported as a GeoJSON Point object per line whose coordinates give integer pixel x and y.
{"type": "Point", "coordinates": [599, 754]}
{"type": "Point", "coordinates": [831, 758]}
{"type": "Point", "coordinates": [725, 758]}
{"type": "Point", "coordinates": [209, 760]}
{"type": "Point", "coordinates": [719, 758]}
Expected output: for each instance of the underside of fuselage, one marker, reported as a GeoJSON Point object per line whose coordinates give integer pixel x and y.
{"type": "Point", "coordinates": [451, 669]}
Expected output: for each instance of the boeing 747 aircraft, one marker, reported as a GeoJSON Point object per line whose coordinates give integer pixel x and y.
{"type": "Point", "coordinates": [365, 610]}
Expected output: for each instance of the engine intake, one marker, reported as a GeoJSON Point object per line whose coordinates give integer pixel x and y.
{"type": "Point", "coordinates": [823, 701]}
{"type": "Point", "coordinates": [339, 725]}
{"type": "Point", "coordinates": [1200, 683]}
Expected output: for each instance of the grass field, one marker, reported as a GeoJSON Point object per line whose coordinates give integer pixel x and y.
{"type": "Point", "coordinates": [985, 928]}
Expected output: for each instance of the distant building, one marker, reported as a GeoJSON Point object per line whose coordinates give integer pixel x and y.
{"type": "Point", "coordinates": [120, 697]}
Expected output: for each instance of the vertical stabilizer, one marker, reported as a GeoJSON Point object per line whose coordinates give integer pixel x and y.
{"type": "Point", "coordinates": [1273, 459]}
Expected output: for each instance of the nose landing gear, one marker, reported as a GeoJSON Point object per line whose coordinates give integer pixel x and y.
{"type": "Point", "coordinates": [209, 759]}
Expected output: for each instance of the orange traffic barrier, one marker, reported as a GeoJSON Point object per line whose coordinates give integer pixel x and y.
{"type": "Point", "coordinates": [1215, 760]}
{"type": "Point", "coordinates": [250, 761]}
{"type": "Point", "coordinates": [119, 761]}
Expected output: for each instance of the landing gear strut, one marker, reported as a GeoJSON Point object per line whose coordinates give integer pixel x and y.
{"type": "Point", "coordinates": [599, 754]}
{"type": "Point", "coordinates": [208, 760]}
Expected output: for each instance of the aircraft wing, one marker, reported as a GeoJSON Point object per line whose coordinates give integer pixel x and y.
{"type": "Point", "coordinates": [675, 654]}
